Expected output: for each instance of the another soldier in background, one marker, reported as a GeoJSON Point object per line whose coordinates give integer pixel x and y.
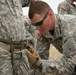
{"type": "Point", "coordinates": [67, 7]}
{"type": "Point", "coordinates": [13, 59]}
{"type": "Point", "coordinates": [58, 30]}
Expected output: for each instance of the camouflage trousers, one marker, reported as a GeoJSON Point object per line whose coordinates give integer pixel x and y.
{"type": "Point", "coordinates": [20, 65]}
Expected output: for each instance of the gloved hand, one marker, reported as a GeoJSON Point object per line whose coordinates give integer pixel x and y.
{"type": "Point", "coordinates": [33, 57]}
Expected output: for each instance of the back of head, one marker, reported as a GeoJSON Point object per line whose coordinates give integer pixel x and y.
{"type": "Point", "coordinates": [38, 7]}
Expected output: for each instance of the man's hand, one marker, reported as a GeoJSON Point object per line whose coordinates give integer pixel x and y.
{"type": "Point", "coordinates": [33, 57]}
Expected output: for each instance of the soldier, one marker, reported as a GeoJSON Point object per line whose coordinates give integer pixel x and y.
{"type": "Point", "coordinates": [13, 59]}
{"type": "Point", "coordinates": [67, 7]}
{"type": "Point", "coordinates": [58, 30]}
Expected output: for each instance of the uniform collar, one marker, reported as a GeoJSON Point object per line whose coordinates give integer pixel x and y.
{"type": "Point", "coordinates": [49, 36]}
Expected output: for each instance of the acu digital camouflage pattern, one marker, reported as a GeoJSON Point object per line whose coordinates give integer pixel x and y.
{"type": "Point", "coordinates": [30, 32]}
{"type": "Point", "coordinates": [64, 39]}
{"type": "Point", "coordinates": [30, 35]}
{"type": "Point", "coordinates": [12, 29]}
{"type": "Point", "coordinates": [67, 7]}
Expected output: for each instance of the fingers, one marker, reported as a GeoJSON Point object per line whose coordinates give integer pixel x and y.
{"type": "Point", "coordinates": [32, 52]}
{"type": "Point", "coordinates": [27, 47]}
{"type": "Point", "coordinates": [28, 53]}
{"type": "Point", "coordinates": [31, 58]}
{"type": "Point", "coordinates": [31, 49]}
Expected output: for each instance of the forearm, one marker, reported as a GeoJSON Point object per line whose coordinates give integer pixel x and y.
{"type": "Point", "coordinates": [61, 66]}
{"type": "Point", "coordinates": [43, 48]}
{"type": "Point", "coordinates": [66, 64]}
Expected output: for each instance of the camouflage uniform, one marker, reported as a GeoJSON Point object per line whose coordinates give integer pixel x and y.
{"type": "Point", "coordinates": [67, 7]}
{"type": "Point", "coordinates": [30, 32]}
{"type": "Point", "coordinates": [64, 39]}
{"type": "Point", "coordinates": [12, 31]}
{"type": "Point", "coordinates": [30, 37]}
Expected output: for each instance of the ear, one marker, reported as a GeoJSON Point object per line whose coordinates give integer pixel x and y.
{"type": "Point", "coordinates": [50, 12]}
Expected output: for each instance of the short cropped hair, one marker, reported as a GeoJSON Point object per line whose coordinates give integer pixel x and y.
{"type": "Point", "coordinates": [38, 7]}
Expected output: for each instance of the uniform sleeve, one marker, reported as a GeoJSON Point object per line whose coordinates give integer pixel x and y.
{"type": "Point", "coordinates": [43, 48]}
{"type": "Point", "coordinates": [26, 2]}
{"type": "Point", "coordinates": [64, 66]}
{"type": "Point", "coordinates": [62, 9]}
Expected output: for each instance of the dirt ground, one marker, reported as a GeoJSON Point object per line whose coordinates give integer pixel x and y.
{"type": "Point", "coordinates": [53, 54]}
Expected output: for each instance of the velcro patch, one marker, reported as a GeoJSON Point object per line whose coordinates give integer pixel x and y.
{"type": "Point", "coordinates": [37, 34]}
